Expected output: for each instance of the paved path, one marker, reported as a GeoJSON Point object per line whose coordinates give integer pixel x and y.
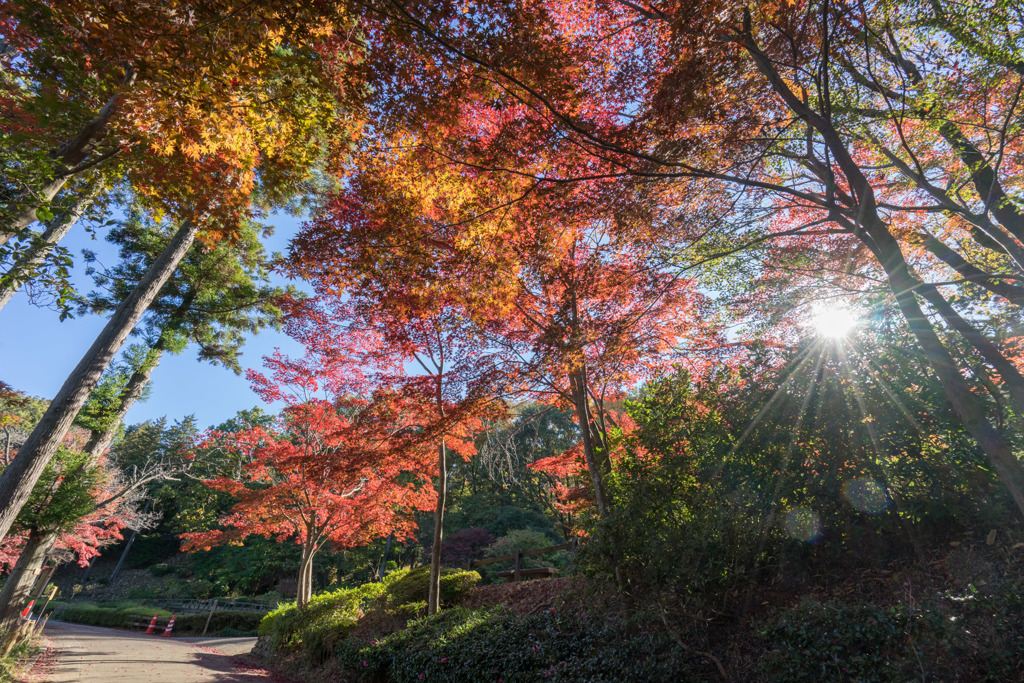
{"type": "Point", "coordinates": [90, 654]}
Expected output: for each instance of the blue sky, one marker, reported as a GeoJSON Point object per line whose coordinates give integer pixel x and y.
{"type": "Point", "coordinates": [37, 350]}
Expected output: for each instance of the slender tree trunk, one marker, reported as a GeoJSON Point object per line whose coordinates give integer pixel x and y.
{"type": "Point", "coordinates": [597, 466]}
{"type": "Point", "coordinates": [99, 442]}
{"type": "Point", "coordinates": [20, 476]}
{"type": "Point", "coordinates": [309, 576]}
{"type": "Point", "coordinates": [124, 553]}
{"type": "Point", "coordinates": [88, 570]}
{"type": "Point", "coordinates": [1013, 382]}
{"type": "Point", "coordinates": [305, 587]}
{"type": "Point", "coordinates": [434, 594]}
{"type": "Point", "coordinates": [17, 589]}
{"type": "Point", "coordinates": [384, 559]}
{"type": "Point", "coordinates": [42, 245]}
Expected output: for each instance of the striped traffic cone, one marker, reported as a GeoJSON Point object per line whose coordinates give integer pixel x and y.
{"type": "Point", "coordinates": [170, 625]}
{"type": "Point", "coordinates": [28, 610]}
{"type": "Point", "coordinates": [152, 625]}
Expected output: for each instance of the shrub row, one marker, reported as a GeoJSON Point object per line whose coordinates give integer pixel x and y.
{"type": "Point", "coordinates": [129, 615]}
{"type": "Point", "coordinates": [328, 619]}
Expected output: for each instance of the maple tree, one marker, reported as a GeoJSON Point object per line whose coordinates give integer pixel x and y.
{"type": "Point", "coordinates": [448, 395]}
{"type": "Point", "coordinates": [327, 472]}
{"type": "Point", "coordinates": [162, 95]}
{"type": "Point", "coordinates": [856, 129]}
{"type": "Point", "coordinates": [574, 302]}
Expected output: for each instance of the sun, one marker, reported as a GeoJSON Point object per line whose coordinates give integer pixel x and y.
{"type": "Point", "coordinates": [834, 321]}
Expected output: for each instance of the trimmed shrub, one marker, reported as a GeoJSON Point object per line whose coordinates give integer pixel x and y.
{"type": "Point", "coordinates": [327, 618]}
{"type": "Point", "coordinates": [115, 615]}
{"type": "Point", "coordinates": [129, 615]}
{"type": "Point", "coordinates": [330, 617]}
{"type": "Point", "coordinates": [494, 644]}
{"type": "Point", "coordinates": [410, 586]}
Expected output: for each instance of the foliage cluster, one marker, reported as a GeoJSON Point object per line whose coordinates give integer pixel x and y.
{"type": "Point", "coordinates": [758, 474]}
{"type": "Point", "coordinates": [328, 618]}
{"type": "Point", "coordinates": [971, 637]}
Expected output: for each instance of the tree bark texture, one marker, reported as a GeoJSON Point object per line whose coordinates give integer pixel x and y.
{"type": "Point", "coordinates": [596, 465]}
{"type": "Point", "coordinates": [305, 588]}
{"type": "Point", "coordinates": [434, 593]}
{"type": "Point", "coordinates": [18, 587]}
{"type": "Point", "coordinates": [17, 480]}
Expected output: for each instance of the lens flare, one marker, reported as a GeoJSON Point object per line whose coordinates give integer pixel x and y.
{"type": "Point", "coordinates": [803, 524]}
{"type": "Point", "coordinates": [867, 495]}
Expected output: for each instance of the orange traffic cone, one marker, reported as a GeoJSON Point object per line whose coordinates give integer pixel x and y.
{"type": "Point", "coordinates": [25, 612]}
{"type": "Point", "coordinates": [152, 625]}
{"type": "Point", "coordinates": [170, 625]}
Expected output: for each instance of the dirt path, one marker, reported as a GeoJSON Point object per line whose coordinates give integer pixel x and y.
{"type": "Point", "coordinates": [90, 654]}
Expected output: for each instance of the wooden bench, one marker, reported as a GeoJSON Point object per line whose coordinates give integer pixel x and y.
{"type": "Point", "coordinates": [538, 572]}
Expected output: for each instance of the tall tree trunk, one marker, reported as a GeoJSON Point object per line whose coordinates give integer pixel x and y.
{"type": "Point", "coordinates": [598, 464]}
{"type": "Point", "coordinates": [124, 553]}
{"type": "Point", "coordinates": [17, 589]}
{"type": "Point", "coordinates": [42, 245]}
{"type": "Point", "coordinates": [100, 441]}
{"type": "Point", "coordinates": [965, 403]}
{"type": "Point", "coordinates": [434, 593]}
{"type": "Point", "coordinates": [17, 480]}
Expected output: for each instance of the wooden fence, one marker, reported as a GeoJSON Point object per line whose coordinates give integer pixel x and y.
{"type": "Point", "coordinates": [518, 557]}
{"type": "Point", "coordinates": [193, 606]}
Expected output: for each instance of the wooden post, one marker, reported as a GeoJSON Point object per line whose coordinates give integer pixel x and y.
{"type": "Point", "coordinates": [384, 559]}
{"type": "Point", "coordinates": [519, 560]}
{"type": "Point", "coordinates": [213, 607]}
{"type": "Point", "coordinates": [53, 593]}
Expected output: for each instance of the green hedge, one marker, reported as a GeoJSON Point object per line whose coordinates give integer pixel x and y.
{"type": "Point", "coordinates": [115, 615]}
{"type": "Point", "coordinates": [494, 644]}
{"type": "Point", "coordinates": [126, 615]}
